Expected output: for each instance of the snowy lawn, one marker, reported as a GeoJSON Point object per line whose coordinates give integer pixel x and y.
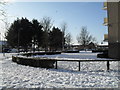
{"type": "Point", "coordinates": [92, 74]}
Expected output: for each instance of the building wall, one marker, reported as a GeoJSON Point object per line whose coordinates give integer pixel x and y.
{"type": "Point", "coordinates": [119, 23]}
{"type": "Point", "coordinates": [114, 29]}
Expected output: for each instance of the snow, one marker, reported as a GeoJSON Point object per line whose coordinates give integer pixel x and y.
{"type": "Point", "coordinates": [92, 74]}
{"type": "Point", "coordinates": [83, 55]}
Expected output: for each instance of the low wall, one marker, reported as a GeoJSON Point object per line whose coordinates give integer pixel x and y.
{"type": "Point", "coordinates": [32, 61]}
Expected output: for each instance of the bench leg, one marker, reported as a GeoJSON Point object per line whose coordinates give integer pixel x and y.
{"type": "Point", "coordinates": [79, 65]}
{"type": "Point", "coordinates": [56, 65]}
{"type": "Point", "coordinates": [108, 65]}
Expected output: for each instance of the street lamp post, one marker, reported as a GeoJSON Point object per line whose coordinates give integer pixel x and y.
{"type": "Point", "coordinates": [2, 41]}
{"type": "Point", "coordinates": [33, 44]}
{"type": "Point", "coordinates": [63, 34]}
{"type": "Point", "coordinates": [19, 38]}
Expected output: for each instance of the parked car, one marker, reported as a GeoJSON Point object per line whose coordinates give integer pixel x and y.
{"type": "Point", "coordinates": [6, 50]}
{"type": "Point", "coordinates": [14, 50]}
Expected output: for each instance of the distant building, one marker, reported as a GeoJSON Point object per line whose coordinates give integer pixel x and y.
{"type": "Point", "coordinates": [113, 23]}
{"type": "Point", "coordinates": [102, 46]}
{"type": "Point", "coordinates": [105, 38]}
{"type": "Point", "coordinates": [81, 47]}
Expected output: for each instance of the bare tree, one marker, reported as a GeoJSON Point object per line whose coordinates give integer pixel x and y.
{"type": "Point", "coordinates": [4, 15]}
{"type": "Point", "coordinates": [46, 22]}
{"type": "Point", "coordinates": [63, 28]}
{"type": "Point", "coordinates": [68, 40]}
{"type": "Point", "coordinates": [2, 10]}
{"type": "Point", "coordinates": [3, 19]}
{"type": "Point", "coordinates": [84, 38]}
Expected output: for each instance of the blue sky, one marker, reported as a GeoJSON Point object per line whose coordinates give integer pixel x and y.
{"type": "Point", "coordinates": [75, 14]}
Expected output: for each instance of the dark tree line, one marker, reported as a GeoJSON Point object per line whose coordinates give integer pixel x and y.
{"type": "Point", "coordinates": [26, 34]}
{"type": "Point", "coordinates": [56, 39]}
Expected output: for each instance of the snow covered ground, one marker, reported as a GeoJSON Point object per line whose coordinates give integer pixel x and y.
{"type": "Point", "coordinates": [92, 74]}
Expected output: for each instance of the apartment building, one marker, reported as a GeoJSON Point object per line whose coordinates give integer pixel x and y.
{"type": "Point", "coordinates": [113, 23]}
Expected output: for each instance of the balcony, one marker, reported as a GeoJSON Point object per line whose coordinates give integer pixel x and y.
{"type": "Point", "coordinates": [105, 37]}
{"type": "Point", "coordinates": [105, 6]}
{"type": "Point", "coordinates": [105, 22]}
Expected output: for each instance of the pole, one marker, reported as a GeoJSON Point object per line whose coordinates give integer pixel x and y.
{"type": "Point", "coordinates": [108, 65]}
{"type": "Point", "coordinates": [3, 47]}
{"type": "Point", "coordinates": [56, 65]}
{"type": "Point", "coordinates": [2, 41]}
{"type": "Point", "coordinates": [79, 65]}
{"type": "Point", "coordinates": [18, 41]}
{"type": "Point", "coordinates": [63, 40]}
